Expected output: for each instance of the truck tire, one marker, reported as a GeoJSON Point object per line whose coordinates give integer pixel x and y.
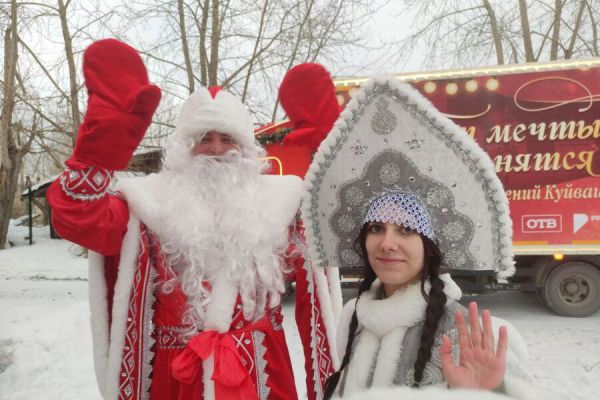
{"type": "Point", "coordinates": [572, 289]}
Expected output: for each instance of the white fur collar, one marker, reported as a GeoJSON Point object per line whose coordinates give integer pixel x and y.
{"type": "Point", "coordinates": [405, 307]}
{"type": "Point", "coordinates": [282, 195]}
{"type": "Point", "coordinates": [385, 322]}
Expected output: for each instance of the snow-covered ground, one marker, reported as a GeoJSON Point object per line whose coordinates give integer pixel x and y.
{"type": "Point", "coordinates": [45, 340]}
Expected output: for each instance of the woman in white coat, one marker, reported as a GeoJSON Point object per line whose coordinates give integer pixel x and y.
{"type": "Point", "coordinates": [406, 326]}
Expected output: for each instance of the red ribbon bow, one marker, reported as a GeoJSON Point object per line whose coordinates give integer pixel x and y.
{"type": "Point", "coordinates": [231, 378]}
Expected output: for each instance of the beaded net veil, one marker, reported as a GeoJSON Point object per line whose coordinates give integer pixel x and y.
{"type": "Point", "coordinates": [391, 155]}
{"type": "Point", "coordinates": [401, 208]}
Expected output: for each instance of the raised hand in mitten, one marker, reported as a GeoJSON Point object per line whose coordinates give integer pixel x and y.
{"type": "Point", "coordinates": [307, 94]}
{"type": "Point", "coordinates": [121, 103]}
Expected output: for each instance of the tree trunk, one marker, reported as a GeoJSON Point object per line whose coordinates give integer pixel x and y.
{"type": "Point", "coordinates": [214, 44]}
{"type": "Point", "coordinates": [74, 90]}
{"type": "Point", "coordinates": [496, 34]}
{"type": "Point", "coordinates": [184, 45]}
{"type": "Point", "coordinates": [259, 36]}
{"type": "Point", "coordinates": [203, 54]}
{"type": "Point", "coordinates": [558, 4]}
{"type": "Point", "coordinates": [6, 203]}
{"type": "Point", "coordinates": [9, 165]}
{"type": "Point", "coordinates": [594, 29]}
{"type": "Point", "coordinates": [576, 28]}
{"type": "Point", "coordinates": [525, 31]}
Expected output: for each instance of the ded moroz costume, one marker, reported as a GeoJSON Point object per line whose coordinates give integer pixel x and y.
{"type": "Point", "coordinates": [186, 265]}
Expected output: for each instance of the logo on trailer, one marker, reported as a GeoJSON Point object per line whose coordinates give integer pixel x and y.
{"type": "Point", "coordinates": [541, 223]}
{"type": "Point", "coordinates": [579, 220]}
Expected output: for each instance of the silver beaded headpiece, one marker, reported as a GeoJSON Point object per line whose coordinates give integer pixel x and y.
{"type": "Point", "coordinates": [400, 208]}
{"type": "Point", "coordinates": [389, 138]}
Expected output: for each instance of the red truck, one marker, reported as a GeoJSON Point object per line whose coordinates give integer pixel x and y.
{"type": "Point", "coordinates": [540, 125]}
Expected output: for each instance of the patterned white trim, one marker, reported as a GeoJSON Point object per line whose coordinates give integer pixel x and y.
{"type": "Point", "coordinates": [128, 364]}
{"type": "Point", "coordinates": [76, 183]}
{"type": "Point", "coordinates": [123, 287]}
{"type": "Point", "coordinates": [170, 337]}
{"type": "Point", "coordinates": [313, 335]}
{"type": "Point", "coordinates": [260, 362]}
{"type": "Point", "coordinates": [145, 364]}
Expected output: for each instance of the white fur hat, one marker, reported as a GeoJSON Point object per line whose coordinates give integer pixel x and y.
{"type": "Point", "coordinates": [213, 109]}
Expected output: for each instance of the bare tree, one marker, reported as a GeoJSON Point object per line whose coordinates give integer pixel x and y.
{"type": "Point", "coordinates": [526, 32]}
{"type": "Point", "coordinates": [468, 32]}
{"type": "Point", "coordinates": [243, 45]}
{"type": "Point", "coordinates": [495, 31]}
{"type": "Point", "coordinates": [40, 92]}
{"type": "Point", "coordinates": [73, 85]}
{"type": "Point", "coordinates": [12, 149]}
{"type": "Point", "coordinates": [184, 45]}
{"type": "Point", "coordinates": [556, 23]}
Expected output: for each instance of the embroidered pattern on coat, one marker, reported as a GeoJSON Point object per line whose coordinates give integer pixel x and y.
{"type": "Point", "coordinates": [134, 376]}
{"type": "Point", "coordinates": [260, 362]}
{"type": "Point", "coordinates": [86, 184]}
{"type": "Point", "coordinates": [322, 363]}
{"type": "Point", "coordinates": [170, 337]}
{"type": "Point", "coordinates": [433, 373]}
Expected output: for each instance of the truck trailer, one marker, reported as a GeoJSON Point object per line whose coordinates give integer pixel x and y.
{"type": "Point", "coordinates": [540, 125]}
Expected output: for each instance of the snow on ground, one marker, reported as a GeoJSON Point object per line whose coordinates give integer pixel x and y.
{"type": "Point", "coordinates": [45, 340]}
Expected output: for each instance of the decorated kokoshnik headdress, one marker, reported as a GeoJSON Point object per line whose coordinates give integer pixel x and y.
{"type": "Point", "coordinates": [392, 148]}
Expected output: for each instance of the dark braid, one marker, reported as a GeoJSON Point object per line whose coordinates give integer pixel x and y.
{"type": "Point", "coordinates": [436, 301]}
{"type": "Point", "coordinates": [367, 280]}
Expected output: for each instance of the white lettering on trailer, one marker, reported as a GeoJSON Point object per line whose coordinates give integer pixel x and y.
{"type": "Point", "coordinates": [541, 223]}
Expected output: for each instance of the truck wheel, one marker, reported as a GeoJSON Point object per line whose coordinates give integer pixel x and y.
{"type": "Point", "coordinates": [573, 289]}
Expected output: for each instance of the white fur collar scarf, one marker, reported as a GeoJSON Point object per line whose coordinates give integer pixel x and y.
{"type": "Point", "coordinates": [404, 308]}
{"type": "Point", "coordinates": [385, 323]}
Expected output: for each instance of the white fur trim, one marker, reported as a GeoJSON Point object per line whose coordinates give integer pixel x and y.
{"type": "Point", "coordinates": [451, 289]}
{"type": "Point", "coordinates": [406, 307]}
{"type": "Point", "coordinates": [123, 286]}
{"type": "Point", "coordinates": [281, 194]}
{"type": "Point", "coordinates": [426, 393]}
{"type": "Point", "coordinates": [516, 344]}
{"type": "Point", "coordinates": [225, 113]}
{"type": "Point", "coordinates": [517, 383]}
{"type": "Point", "coordinates": [343, 328]}
{"type": "Point", "coordinates": [140, 194]}
{"type": "Point", "coordinates": [98, 316]}
{"type": "Point", "coordinates": [208, 367]}
{"type": "Point", "coordinates": [335, 290]}
{"type": "Point", "coordinates": [326, 312]}
{"type": "Point", "coordinates": [387, 359]}
{"type": "Point", "coordinates": [360, 364]}
{"type": "Point", "coordinates": [523, 388]}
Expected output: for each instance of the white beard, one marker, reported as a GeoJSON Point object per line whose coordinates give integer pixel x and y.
{"type": "Point", "coordinates": [212, 222]}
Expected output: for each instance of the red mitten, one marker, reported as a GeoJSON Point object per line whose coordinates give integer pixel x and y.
{"type": "Point", "coordinates": [121, 103]}
{"type": "Point", "coordinates": [307, 95]}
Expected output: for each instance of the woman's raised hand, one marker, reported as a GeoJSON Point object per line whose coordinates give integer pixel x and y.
{"type": "Point", "coordinates": [480, 366]}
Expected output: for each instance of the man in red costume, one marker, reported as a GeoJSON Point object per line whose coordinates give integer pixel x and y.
{"type": "Point", "coordinates": [186, 265]}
